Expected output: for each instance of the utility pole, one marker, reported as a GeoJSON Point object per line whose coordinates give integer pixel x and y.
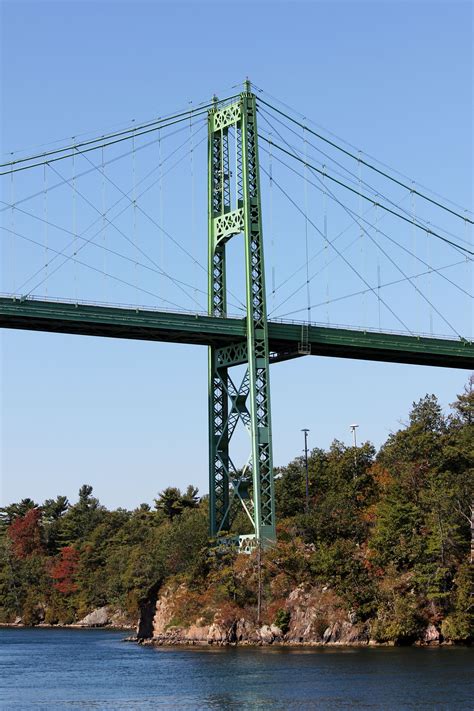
{"type": "Point", "coordinates": [354, 433]}
{"type": "Point", "coordinates": [259, 584]}
{"type": "Point", "coordinates": [306, 467]}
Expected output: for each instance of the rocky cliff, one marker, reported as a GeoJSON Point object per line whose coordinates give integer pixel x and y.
{"type": "Point", "coordinates": [312, 616]}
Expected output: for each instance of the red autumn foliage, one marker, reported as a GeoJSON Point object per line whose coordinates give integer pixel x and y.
{"type": "Point", "coordinates": [25, 534]}
{"type": "Point", "coordinates": [64, 569]}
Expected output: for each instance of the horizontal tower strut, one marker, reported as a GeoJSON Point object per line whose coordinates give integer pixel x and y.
{"type": "Point", "coordinates": [284, 338]}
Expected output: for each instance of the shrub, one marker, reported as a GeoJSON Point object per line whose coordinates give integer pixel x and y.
{"type": "Point", "coordinates": [282, 620]}
{"type": "Point", "coordinates": [458, 627]}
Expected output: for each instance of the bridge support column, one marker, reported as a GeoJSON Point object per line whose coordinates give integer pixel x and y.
{"type": "Point", "coordinates": [235, 208]}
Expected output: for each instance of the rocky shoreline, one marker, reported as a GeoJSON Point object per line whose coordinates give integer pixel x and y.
{"type": "Point", "coordinates": [184, 642]}
{"type": "Point", "coordinates": [310, 618]}
{"type": "Point", "coordinates": [239, 635]}
{"type": "Point", "coordinates": [100, 618]}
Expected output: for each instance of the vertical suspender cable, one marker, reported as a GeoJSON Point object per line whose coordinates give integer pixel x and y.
{"type": "Point", "coordinates": [326, 242]}
{"type": "Point", "coordinates": [430, 278]}
{"type": "Point", "coordinates": [74, 217]}
{"type": "Point", "coordinates": [12, 233]}
{"type": "Point", "coordinates": [308, 295]}
{"type": "Point", "coordinates": [469, 284]}
{"type": "Point", "coordinates": [134, 231]}
{"type": "Point", "coordinates": [104, 225]}
{"type": "Point", "coordinates": [378, 267]}
{"type": "Point", "coordinates": [194, 250]}
{"type": "Point", "coordinates": [363, 246]}
{"type": "Point", "coordinates": [162, 234]}
{"type": "Point", "coordinates": [414, 239]}
{"type": "Point", "coordinates": [45, 217]}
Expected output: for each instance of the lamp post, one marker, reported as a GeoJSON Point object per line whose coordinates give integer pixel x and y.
{"type": "Point", "coordinates": [354, 433]}
{"type": "Point", "coordinates": [306, 467]}
{"type": "Point", "coordinates": [354, 430]}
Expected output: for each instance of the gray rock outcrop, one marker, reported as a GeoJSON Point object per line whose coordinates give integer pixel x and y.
{"type": "Point", "coordinates": [96, 618]}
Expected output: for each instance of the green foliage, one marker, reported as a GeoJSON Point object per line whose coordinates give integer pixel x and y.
{"type": "Point", "coordinates": [81, 519]}
{"type": "Point", "coordinates": [342, 567]}
{"type": "Point", "coordinates": [53, 511]}
{"type": "Point", "coordinates": [386, 536]}
{"type": "Point", "coordinates": [172, 502]}
{"type": "Point", "coordinates": [282, 620]}
{"type": "Point", "coordinates": [459, 625]}
{"type": "Point", "coordinates": [231, 577]}
{"type": "Point", "coordinates": [399, 621]}
{"type": "Point", "coordinates": [396, 535]}
{"type": "Point", "coordinates": [341, 487]}
{"type": "Point", "coordinates": [426, 414]}
{"type": "Point", "coordinates": [9, 513]}
{"type": "Point", "coordinates": [464, 405]}
{"type": "Point", "coordinates": [290, 558]}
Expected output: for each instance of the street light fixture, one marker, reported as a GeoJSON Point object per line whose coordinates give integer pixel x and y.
{"type": "Point", "coordinates": [354, 430]}
{"type": "Point", "coordinates": [306, 467]}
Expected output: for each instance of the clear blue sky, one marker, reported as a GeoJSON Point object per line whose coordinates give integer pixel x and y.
{"type": "Point", "coordinates": [394, 78]}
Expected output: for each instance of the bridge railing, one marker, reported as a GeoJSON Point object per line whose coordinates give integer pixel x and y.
{"type": "Point", "coordinates": [296, 322]}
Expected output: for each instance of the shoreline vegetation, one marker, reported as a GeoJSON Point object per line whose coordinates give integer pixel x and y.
{"type": "Point", "coordinates": [381, 557]}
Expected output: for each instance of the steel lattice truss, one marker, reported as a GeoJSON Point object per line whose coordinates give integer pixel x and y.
{"type": "Point", "coordinates": [228, 404]}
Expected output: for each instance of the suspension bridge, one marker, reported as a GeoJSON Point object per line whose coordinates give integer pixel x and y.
{"type": "Point", "coordinates": [103, 236]}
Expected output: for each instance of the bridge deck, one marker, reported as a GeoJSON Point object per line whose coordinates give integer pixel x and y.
{"type": "Point", "coordinates": [113, 322]}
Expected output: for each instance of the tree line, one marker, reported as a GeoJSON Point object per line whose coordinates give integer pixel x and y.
{"type": "Point", "coordinates": [388, 531]}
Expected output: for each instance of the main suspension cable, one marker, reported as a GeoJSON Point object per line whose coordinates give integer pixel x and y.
{"type": "Point", "coordinates": [366, 163]}
{"type": "Point", "coordinates": [346, 261]}
{"type": "Point", "coordinates": [108, 139]}
{"type": "Point", "coordinates": [365, 197]}
{"type": "Point", "coordinates": [354, 178]}
{"type": "Point", "coordinates": [112, 207]}
{"type": "Point", "coordinates": [397, 266]}
{"type": "Point", "coordinates": [82, 174]}
{"type": "Point", "coordinates": [90, 240]}
{"type": "Point", "coordinates": [363, 219]}
{"type": "Point", "coordinates": [105, 144]}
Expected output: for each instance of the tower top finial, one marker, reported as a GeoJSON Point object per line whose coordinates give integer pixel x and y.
{"type": "Point", "coordinates": [247, 85]}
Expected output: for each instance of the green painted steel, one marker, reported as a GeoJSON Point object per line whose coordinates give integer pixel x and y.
{"type": "Point", "coordinates": [218, 234]}
{"type": "Point", "coordinates": [263, 497]}
{"type": "Point", "coordinates": [231, 214]}
{"type": "Point", "coordinates": [229, 334]}
{"type": "Point", "coordinates": [234, 207]}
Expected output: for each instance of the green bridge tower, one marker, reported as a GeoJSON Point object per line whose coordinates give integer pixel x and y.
{"type": "Point", "coordinates": [235, 208]}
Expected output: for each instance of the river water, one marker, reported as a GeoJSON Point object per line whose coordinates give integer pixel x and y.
{"type": "Point", "coordinates": [95, 669]}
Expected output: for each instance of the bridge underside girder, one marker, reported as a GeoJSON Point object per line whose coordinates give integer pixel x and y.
{"type": "Point", "coordinates": [284, 338]}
